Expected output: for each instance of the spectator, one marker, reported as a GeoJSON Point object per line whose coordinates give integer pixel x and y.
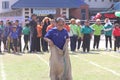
{"type": "Point", "coordinates": [52, 25]}
{"type": "Point", "coordinates": [73, 35]}
{"type": "Point", "coordinates": [14, 39]}
{"type": "Point", "coordinates": [6, 33]}
{"type": "Point", "coordinates": [79, 33]}
{"type": "Point", "coordinates": [26, 33]}
{"type": "Point", "coordinates": [108, 33]}
{"type": "Point", "coordinates": [1, 34]}
{"type": "Point", "coordinates": [19, 30]}
{"type": "Point", "coordinates": [116, 34]}
{"type": "Point", "coordinates": [97, 27]}
{"type": "Point", "coordinates": [87, 33]}
{"type": "Point", "coordinates": [46, 23]}
{"type": "Point", "coordinates": [33, 33]}
{"type": "Point", "coordinates": [39, 35]}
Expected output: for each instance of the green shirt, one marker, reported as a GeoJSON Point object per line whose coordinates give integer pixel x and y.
{"type": "Point", "coordinates": [79, 31]}
{"type": "Point", "coordinates": [86, 30]}
{"type": "Point", "coordinates": [97, 29]}
{"type": "Point", "coordinates": [73, 29]}
{"type": "Point", "coordinates": [26, 30]}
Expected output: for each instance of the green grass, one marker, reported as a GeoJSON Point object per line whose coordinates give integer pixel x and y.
{"type": "Point", "coordinates": [31, 67]}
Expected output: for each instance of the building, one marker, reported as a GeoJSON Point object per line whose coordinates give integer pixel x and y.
{"type": "Point", "coordinates": [96, 6]}
{"type": "Point", "coordinates": [23, 9]}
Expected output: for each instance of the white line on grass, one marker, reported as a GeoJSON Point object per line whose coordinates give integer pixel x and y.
{"type": "Point", "coordinates": [112, 56]}
{"type": "Point", "coordinates": [42, 59]}
{"type": "Point", "coordinates": [97, 65]}
{"type": "Point", "coordinates": [3, 74]}
{"type": "Point", "coordinates": [115, 56]}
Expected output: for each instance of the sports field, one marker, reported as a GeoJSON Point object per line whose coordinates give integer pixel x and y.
{"type": "Point", "coordinates": [93, 66]}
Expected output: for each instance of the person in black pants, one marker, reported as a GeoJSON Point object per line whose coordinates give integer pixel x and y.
{"type": "Point", "coordinates": [98, 28]}
{"type": "Point", "coordinates": [26, 33]}
{"type": "Point", "coordinates": [96, 41]}
{"type": "Point", "coordinates": [46, 23]}
{"type": "Point", "coordinates": [116, 34]}
{"type": "Point", "coordinates": [39, 34]}
{"type": "Point", "coordinates": [33, 33]}
{"type": "Point", "coordinates": [19, 30]}
{"type": "Point", "coordinates": [86, 32]}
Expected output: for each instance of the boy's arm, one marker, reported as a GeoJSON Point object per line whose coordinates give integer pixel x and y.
{"type": "Point", "coordinates": [50, 42]}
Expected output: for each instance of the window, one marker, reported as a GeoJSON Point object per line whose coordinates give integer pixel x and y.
{"type": "Point", "coordinates": [102, 0]}
{"type": "Point", "coordinates": [110, 0]}
{"type": "Point", "coordinates": [116, 0]}
{"type": "Point", "coordinates": [5, 5]}
{"type": "Point", "coordinates": [89, 0]}
{"type": "Point", "coordinates": [83, 14]}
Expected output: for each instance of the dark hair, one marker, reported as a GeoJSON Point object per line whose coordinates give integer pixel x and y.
{"type": "Point", "coordinates": [33, 15]}
{"type": "Point", "coordinates": [17, 21]}
{"type": "Point", "coordinates": [59, 18]}
{"type": "Point", "coordinates": [10, 23]}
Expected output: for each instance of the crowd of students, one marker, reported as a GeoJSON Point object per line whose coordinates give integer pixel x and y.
{"type": "Point", "coordinates": [34, 32]}
{"type": "Point", "coordinates": [83, 33]}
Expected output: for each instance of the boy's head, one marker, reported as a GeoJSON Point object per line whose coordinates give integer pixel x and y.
{"type": "Point", "coordinates": [17, 22]}
{"type": "Point", "coordinates": [14, 27]}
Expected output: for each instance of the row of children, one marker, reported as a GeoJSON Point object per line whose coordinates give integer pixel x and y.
{"type": "Point", "coordinates": [10, 34]}
{"type": "Point", "coordinates": [84, 33]}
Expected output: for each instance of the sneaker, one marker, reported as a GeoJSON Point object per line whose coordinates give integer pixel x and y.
{"type": "Point", "coordinates": [106, 49]}
{"type": "Point", "coordinates": [93, 49]}
{"type": "Point", "coordinates": [110, 49]}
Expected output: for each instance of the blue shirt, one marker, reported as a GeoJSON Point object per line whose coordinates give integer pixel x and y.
{"type": "Point", "coordinates": [58, 37]}
{"type": "Point", "coordinates": [6, 31]}
{"type": "Point", "coordinates": [14, 35]}
{"type": "Point", "coordinates": [19, 30]}
{"type": "Point", "coordinates": [86, 30]}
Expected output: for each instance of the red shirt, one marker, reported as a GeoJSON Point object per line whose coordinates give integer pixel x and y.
{"type": "Point", "coordinates": [116, 32]}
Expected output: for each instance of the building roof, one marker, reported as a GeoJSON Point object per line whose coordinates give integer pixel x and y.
{"type": "Point", "coordinates": [117, 6]}
{"type": "Point", "coordinates": [48, 4]}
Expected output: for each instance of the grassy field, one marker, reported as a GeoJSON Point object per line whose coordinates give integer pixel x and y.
{"type": "Point", "coordinates": [93, 66]}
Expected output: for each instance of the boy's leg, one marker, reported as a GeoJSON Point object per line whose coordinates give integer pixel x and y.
{"type": "Point", "coordinates": [0, 45]}
{"type": "Point", "coordinates": [95, 40]}
{"type": "Point", "coordinates": [19, 43]}
{"type": "Point", "coordinates": [110, 40]}
{"type": "Point", "coordinates": [79, 43]}
{"type": "Point", "coordinates": [88, 43]}
{"type": "Point", "coordinates": [106, 40]}
{"type": "Point", "coordinates": [98, 41]}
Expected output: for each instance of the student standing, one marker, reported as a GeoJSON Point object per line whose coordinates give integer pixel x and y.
{"type": "Point", "coordinates": [79, 33]}
{"type": "Point", "coordinates": [19, 30]}
{"type": "Point", "coordinates": [116, 34]}
{"type": "Point", "coordinates": [46, 23]}
{"type": "Point", "coordinates": [1, 34]}
{"type": "Point", "coordinates": [26, 33]}
{"type": "Point", "coordinates": [6, 34]}
{"type": "Point", "coordinates": [87, 33]}
{"type": "Point", "coordinates": [14, 39]}
{"type": "Point", "coordinates": [52, 25]}
{"type": "Point", "coordinates": [33, 33]}
{"type": "Point", "coordinates": [108, 33]}
{"type": "Point", "coordinates": [73, 35]}
{"type": "Point", "coordinates": [97, 27]}
{"type": "Point", "coordinates": [39, 35]}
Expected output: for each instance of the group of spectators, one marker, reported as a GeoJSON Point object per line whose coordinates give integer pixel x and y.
{"type": "Point", "coordinates": [83, 33]}
{"type": "Point", "coordinates": [34, 32]}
